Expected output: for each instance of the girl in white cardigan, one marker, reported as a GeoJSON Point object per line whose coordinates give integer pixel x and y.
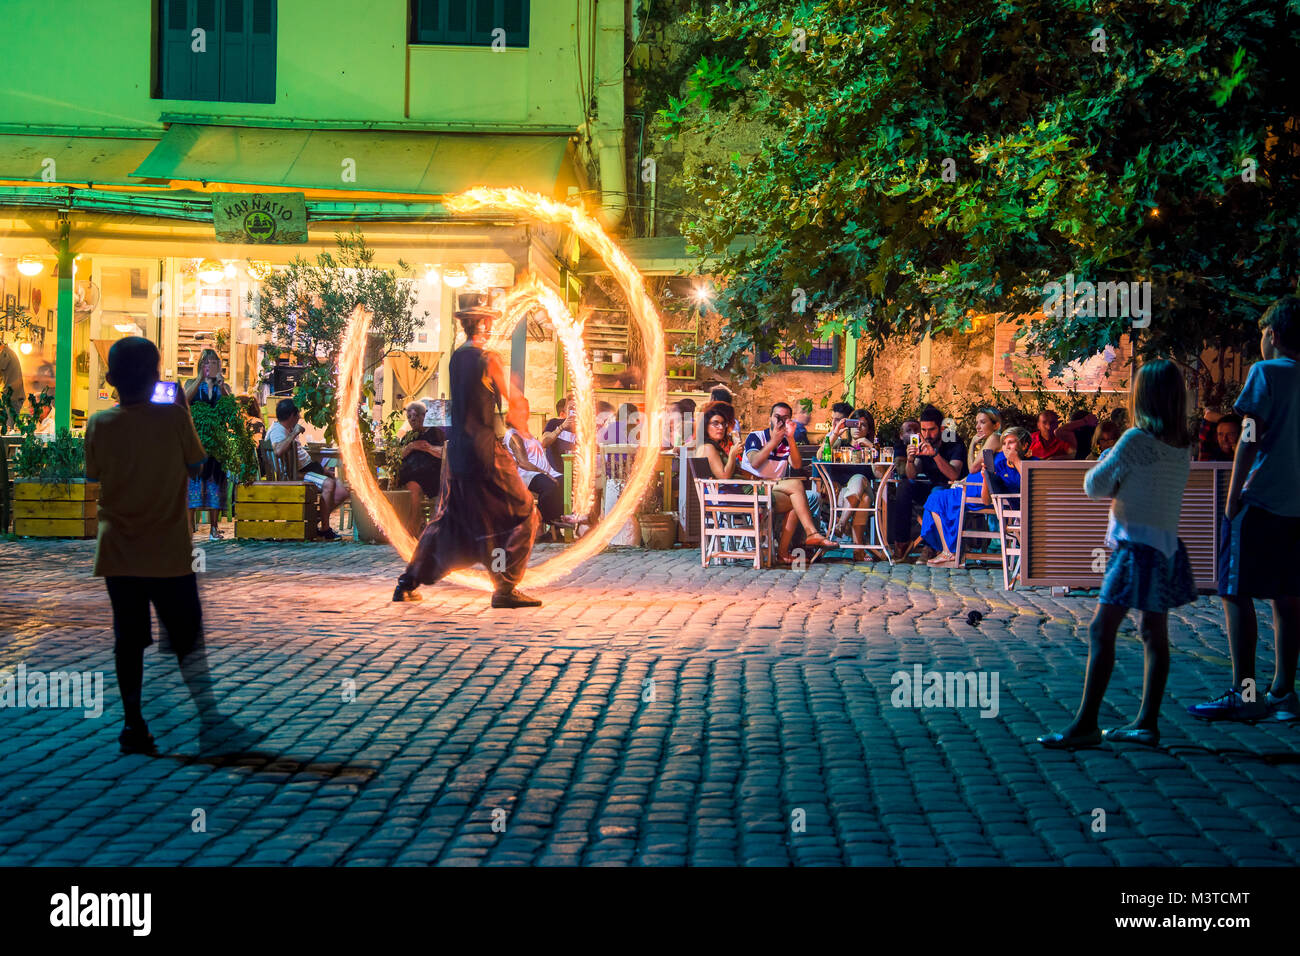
{"type": "Point", "coordinates": [1144, 476]}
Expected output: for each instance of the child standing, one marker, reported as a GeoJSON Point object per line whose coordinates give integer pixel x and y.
{"type": "Point", "coordinates": [1144, 475]}
{"type": "Point", "coordinates": [142, 453]}
{"type": "Point", "coordinates": [1259, 549]}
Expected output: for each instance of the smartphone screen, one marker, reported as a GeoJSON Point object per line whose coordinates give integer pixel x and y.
{"type": "Point", "coordinates": [916, 441]}
{"type": "Point", "coordinates": [164, 393]}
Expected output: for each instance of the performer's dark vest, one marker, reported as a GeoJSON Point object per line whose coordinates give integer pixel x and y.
{"type": "Point", "coordinates": [472, 439]}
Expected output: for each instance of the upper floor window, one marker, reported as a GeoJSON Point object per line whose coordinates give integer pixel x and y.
{"type": "Point", "coordinates": [470, 22]}
{"type": "Point", "coordinates": [823, 356]}
{"type": "Point", "coordinates": [217, 50]}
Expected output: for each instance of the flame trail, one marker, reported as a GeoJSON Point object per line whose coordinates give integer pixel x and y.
{"type": "Point", "coordinates": [365, 487]}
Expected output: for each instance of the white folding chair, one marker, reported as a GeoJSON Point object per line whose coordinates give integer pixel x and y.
{"type": "Point", "coordinates": [1007, 509]}
{"type": "Point", "coordinates": [739, 511]}
{"type": "Point", "coordinates": [965, 534]}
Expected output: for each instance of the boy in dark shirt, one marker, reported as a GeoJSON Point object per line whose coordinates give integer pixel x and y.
{"type": "Point", "coordinates": [141, 453]}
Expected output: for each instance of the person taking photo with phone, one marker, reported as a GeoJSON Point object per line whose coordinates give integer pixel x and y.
{"type": "Point", "coordinates": [208, 490]}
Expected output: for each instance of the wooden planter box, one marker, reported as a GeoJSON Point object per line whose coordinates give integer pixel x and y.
{"type": "Point", "coordinates": [43, 510]}
{"type": "Point", "coordinates": [277, 510]}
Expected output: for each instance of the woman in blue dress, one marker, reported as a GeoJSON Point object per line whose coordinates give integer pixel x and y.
{"type": "Point", "coordinates": [939, 522]}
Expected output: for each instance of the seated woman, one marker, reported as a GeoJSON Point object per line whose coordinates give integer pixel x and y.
{"type": "Point", "coordinates": [723, 453]}
{"type": "Point", "coordinates": [421, 469]}
{"type": "Point", "coordinates": [1104, 440]}
{"type": "Point", "coordinates": [862, 435]}
{"type": "Point", "coordinates": [717, 443]}
{"type": "Point", "coordinates": [1006, 465]}
{"type": "Point", "coordinates": [940, 517]}
{"type": "Point", "coordinates": [535, 470]}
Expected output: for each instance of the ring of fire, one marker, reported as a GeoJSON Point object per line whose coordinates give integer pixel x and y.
{"type": "Point", "coordinates": [530, 291]}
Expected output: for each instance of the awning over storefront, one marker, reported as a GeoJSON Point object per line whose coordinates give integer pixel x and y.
{"type": "Point", "coordinates": [72, 159]}
{"type": "Point", "coordinates": [368, 161]}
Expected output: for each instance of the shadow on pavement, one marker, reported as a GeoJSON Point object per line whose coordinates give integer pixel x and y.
{"type": "Point", "coordinates": [265, 762]}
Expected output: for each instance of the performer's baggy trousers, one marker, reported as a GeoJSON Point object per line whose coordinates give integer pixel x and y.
{"type": "Point", "coordinates": [489, 520]}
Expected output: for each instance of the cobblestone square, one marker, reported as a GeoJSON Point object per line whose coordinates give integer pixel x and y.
{"type": "Point", "coordinates": [651, 713]}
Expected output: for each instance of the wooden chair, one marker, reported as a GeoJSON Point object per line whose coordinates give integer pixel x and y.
{"type": "Point", "coordinates": [282, 467]}
{"type": "Point", "coordinates": [731, 513]}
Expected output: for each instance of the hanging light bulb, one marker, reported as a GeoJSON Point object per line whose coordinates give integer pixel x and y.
{"type": "Point", "coordinates": [454, 277]}
{"type": "Point", "coordinates": [30, 266]}
{"type": "Point", "coordinates": [430, 275]}
{"type": "Point", "coordinates": [25, 348]}
{"type": "Point", "coordinates": [211, 271]}
{"type": "Point", "coordinates": [230, 270]}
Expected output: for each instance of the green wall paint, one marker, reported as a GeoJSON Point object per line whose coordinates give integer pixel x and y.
{"type": "Point", "coordinates": [80, 63]}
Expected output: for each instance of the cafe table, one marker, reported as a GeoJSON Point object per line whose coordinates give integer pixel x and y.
{"type": "Point", "coordinates": [835, 475]}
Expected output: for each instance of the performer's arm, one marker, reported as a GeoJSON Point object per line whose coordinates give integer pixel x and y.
{"type": "Point", "coordinates": [496, 373]}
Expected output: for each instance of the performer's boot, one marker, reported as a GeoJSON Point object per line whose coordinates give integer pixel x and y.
{"type": "Point", "coordinates": [514, 598]}
{"type": "Point", "coordinates": [405, 590]}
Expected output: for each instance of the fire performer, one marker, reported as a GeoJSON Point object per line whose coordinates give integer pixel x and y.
{"type": "Point", "coordinates": [485, 514]}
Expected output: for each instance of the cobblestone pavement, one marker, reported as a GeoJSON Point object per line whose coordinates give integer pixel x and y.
{"type": "Point", "coordinates": [651, 713]}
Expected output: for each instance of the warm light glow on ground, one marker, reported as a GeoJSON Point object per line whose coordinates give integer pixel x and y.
{"type": "Point", "coordinates": [361, 478]}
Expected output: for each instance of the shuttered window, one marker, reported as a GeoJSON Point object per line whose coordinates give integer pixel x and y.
{"type": "Point", "coordinates": [217, 50]}
{"type": "Point", "coordinates": [470, 22]}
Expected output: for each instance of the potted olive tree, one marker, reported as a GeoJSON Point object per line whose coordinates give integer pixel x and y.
{"type": "Point", "coordinates": [303, 310]}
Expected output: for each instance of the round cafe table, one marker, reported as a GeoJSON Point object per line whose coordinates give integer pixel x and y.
{"type": "Point", "coordinates": [835, 475]}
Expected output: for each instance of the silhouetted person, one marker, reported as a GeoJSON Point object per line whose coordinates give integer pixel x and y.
{"type": "Point", "coordinates": [142, 453]}
{"type": "Point", "coordinates": [485, 514]}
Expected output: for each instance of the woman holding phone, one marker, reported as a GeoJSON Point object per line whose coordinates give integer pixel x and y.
{"type": "Point", "coordinates": [208, 490]}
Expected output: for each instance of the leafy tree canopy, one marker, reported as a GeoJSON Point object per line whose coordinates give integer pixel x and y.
{"type": "Point", "coordinates": [1114, 141]}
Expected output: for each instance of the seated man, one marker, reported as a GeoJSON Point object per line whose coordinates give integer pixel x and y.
{"type": "Point", "coordinates": [560, 434]}
{"type": "Point", "coordinates": [1052, 441]}
{"type": "Point", "coordinates": [1227, 433]}
{"type": "Point", "coordinates": [929, 463]}
{"type": "Point", "coordinates": [284, 435]}
{"type": "Point", "coordinates": [1219, 436]}
{"type": "Point", "coordinates": [771, 454]}
{"type": "Point", "coordinates": [421, 469]}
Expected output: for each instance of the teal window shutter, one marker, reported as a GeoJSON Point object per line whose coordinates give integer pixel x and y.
{"type": "Point", "coordinates": [514, 18]}
{"type": "Point", "coordinates": [237, 61]}
{"type": "Point", "coordinates": [207, 64]}
{"type": "Point", "coordinates": [486, 19]}
{"type": "Point", "coordinates": [176, 78]}
{"type": "Point", "coordinates": [261, 45]}
{"type": "Point", "coordinates": [469, 22]}
{"type": "Point", "coordinates": [234, 52]}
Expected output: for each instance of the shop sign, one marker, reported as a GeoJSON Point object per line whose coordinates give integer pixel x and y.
{"type": "Point", "coordinates": [261, 218]}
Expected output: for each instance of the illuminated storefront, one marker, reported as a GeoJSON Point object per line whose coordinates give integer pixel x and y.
{"type": "Point", "coordinates": [172, 282]}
